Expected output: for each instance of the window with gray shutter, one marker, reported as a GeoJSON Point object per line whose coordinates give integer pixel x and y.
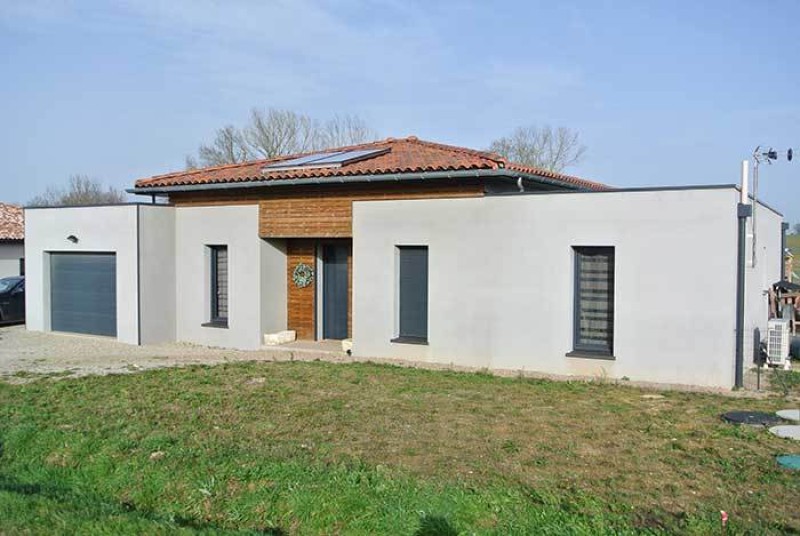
{"type": "Point", "coordinates": [413, 294]}
{"type": "Point", "coordinates": [594, 300]}
{"type": "Point", "coordinates": [219, 284]}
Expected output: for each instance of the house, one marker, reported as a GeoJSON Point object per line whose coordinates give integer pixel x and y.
{"type": "Point", "coordinates": [417, 251]}
{"type": "Point", "coordinates": [12, 236]}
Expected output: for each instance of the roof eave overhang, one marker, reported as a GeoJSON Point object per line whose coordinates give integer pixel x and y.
{"type": "Point", "coordinates": [356, 179]}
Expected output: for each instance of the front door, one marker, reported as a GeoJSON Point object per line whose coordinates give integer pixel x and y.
{"type": "Point", "coordinates": [334, 291]}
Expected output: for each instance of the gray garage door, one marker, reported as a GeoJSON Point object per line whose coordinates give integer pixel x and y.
{"type": "Point", "coordinates": [83, 293]}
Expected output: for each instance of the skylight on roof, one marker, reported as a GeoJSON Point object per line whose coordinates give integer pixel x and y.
{"type": "Point", "coordinates": [324, 160]}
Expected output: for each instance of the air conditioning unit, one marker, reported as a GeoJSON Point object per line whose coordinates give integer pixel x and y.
{"type": "Point", "coordinates": [778, 340]}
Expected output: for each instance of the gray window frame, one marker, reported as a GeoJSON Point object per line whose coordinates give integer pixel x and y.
{"type": "Point", "coordinates": [584, 350]}
{"type": "Point", "coordinates": [405, 337]}
{"type": "Point", "coordinates": [216, 320]}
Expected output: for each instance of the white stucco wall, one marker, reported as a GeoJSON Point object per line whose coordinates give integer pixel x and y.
{"type": "Point", "coordinates": [501, 281]}
{"type": "Point", "coordinates": [157, 273]}
{"type": "Point", "coordinates": [196, 228]}
{"type": "Point", "coordinates": [109, 229]}
{"type": "Point", "coordinates": [172, 272]}
{"type": "Point", "coordinates": [274, 306]}
{"type": "Point", "coordinates": [759, 278]}
{"type": "Point", "coordinates": [10, 254]}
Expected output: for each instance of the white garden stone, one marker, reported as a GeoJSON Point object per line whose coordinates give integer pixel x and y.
{"type": "Point", "coordinates": [790, 431]}
{"type": "Point", "coordinates": [789, 414]}
{"type": "Point", "coordinates": [281, 337]}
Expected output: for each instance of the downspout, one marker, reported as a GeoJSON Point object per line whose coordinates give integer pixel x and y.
{"type": "Point", "coordinates": [138, 276]}
{"type": "Point", "coordinates": [744, 211]}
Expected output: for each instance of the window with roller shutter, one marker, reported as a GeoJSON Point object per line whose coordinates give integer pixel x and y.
{"type": "Point", "coordinates": [413, 294]}
{"type": "Point", "coordinates": [594, 300]}
{"type": "Point", "coordinates": [219, 284]}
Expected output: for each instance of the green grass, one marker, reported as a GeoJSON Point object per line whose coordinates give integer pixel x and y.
{"type": "Point", "coordinates": [318, 448]}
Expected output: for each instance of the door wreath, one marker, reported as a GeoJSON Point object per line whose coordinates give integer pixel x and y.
{"type": "Point", "coordinates": [303, 275]}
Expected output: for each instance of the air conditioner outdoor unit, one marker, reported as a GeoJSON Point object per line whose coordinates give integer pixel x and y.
{"type": "Point", "coordinates": [778, 339]}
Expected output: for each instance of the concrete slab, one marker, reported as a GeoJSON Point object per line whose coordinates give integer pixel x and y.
{"type": "Point", "coordinates": [789, 414]}
{"type": "Point", "coordinates": [789, 431]}
{"type": "Point", "coordinates": [325, 346]}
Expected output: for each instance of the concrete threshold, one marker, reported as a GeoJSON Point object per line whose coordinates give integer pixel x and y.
{"type": "Point", "coordinates": [324, 347]}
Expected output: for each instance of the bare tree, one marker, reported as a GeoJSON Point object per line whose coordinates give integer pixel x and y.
{"type": "Point", "coordinates": [228, 147]}
{"type": "Point", "coordinates": [272, 132]}
{"type": "Point", "coordinates": [344, 130]}
{"type": "Point", "coordinates": [797, 228]}
{"type": "Point", "coordinates": [543, 147]}
{"type": "Point", "coordinates": [81, 190]}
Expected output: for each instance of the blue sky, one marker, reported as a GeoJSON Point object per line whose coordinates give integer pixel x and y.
{"type": "Point", "coordinates": [662, 93]}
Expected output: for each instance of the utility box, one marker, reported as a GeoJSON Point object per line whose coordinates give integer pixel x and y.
{"type": "Point", "coordinates": [778, 340]}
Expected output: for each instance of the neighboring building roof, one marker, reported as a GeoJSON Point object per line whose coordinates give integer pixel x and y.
{"type": "Point", "coordinates": [12, 225]}
{"type": "Point", "coordinates": [786, 286]}
{"type": "Point", "coordinates": [403, 155]}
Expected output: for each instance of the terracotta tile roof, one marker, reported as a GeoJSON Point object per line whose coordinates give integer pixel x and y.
{"type": "Point", "coordinates": [12, 226]}
{"type": "Point", "coordinates": [406, 155]}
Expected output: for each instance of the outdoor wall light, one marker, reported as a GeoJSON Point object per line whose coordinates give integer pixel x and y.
{"type": "Point", "coordinates": [72, 238]}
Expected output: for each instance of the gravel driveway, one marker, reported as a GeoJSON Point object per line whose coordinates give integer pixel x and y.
{"type": "Point", "coordinates": [25, 354]}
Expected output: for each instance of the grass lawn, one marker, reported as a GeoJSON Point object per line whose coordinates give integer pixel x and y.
{"type": "Point", "coordinates": [793, 243]}
{"type": "Point", "coordinates": [318, 448]}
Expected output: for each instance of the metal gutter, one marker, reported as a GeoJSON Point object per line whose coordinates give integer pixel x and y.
{"type": "Point", "coordinates": [355, 179]}
{"type": "Point", "coordinates": [613, 190]}
{"type": "Point", "coordinates": [753, 200]}
{"type": "Point", "coordinates": [126, 204]}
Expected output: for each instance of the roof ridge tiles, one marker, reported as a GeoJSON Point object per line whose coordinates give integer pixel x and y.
{"type": "Point", "coordinates": [12, 222]}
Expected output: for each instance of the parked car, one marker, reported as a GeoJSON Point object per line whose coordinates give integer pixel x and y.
{"type": "Point", "coordinates": [12, 299]}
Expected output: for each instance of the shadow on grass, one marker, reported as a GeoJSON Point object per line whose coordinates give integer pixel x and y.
{"type": "Point", "coordinates": [435, 526]}
{"type": "Point", "coordinates": [101, 508]}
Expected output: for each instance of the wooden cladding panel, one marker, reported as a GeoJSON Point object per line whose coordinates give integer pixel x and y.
{"type": "Point", "coordinates": [300, 300]}
{"type": "Point", "coordinates": [326, 212]}
{"type": "Point", "coordinates": [314, 193]}
{"type": "Point", "coordinates": [321, 211]}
